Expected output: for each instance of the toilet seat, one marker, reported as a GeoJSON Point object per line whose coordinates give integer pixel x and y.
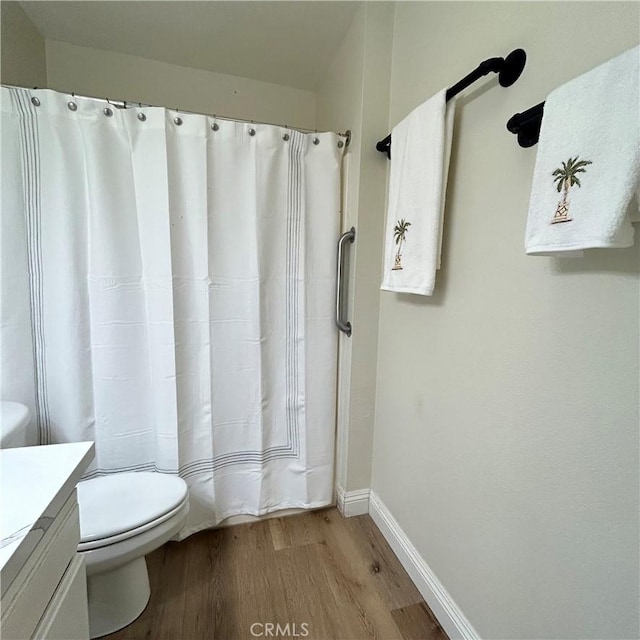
{"type": "Point", "coordinates": [104, 542]}
{"type": "Point", "coordinates": [123, 505]}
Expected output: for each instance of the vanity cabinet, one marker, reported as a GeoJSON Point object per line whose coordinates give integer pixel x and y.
{"type": "Point", "coordinates": [44, 587]}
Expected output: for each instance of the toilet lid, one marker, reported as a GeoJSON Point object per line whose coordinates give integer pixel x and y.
{"type": "Point", "coordinates": [117, 503]}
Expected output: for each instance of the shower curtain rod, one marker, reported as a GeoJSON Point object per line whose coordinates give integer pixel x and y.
{"type": "Point", "coordinates": [124, 104]}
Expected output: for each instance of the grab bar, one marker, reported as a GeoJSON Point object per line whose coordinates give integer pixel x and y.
{"type": "Point", "coordinates": [343, 325]}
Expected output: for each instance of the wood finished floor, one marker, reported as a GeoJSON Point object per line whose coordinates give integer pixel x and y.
{"type": "Point", "coordinates": [338, 575]}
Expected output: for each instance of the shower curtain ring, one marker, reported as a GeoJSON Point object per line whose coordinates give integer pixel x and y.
{"type": "Point", "coordinates": [107, 110]}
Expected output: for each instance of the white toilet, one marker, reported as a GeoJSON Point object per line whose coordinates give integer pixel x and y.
{"type": "Point", "coordinates": [123, 517]}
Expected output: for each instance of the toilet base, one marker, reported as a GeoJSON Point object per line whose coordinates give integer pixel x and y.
{"type": "Point", "coordinates": [117, 597]}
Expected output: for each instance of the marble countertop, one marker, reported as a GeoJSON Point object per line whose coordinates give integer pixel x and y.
{"type": "Point", "coordinates": [34, 484]}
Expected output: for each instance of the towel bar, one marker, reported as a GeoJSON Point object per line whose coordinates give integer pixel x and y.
{"type": "Point", "coordinates": [508, 69]}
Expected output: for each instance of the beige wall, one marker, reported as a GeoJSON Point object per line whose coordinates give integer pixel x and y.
{"type": "Point", "coordinates": [506, 435]}
{"type": "Point", "coordinates": [355, 94]}
{"type": "Point", "coordinates": [107, 74]}
{"type": "Point", "coordinates": [22, 50]}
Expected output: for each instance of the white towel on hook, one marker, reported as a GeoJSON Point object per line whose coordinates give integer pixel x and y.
{"type": "Point", "coordinates": [420, 151]}
{"type": "Point", "coordinates": [588, 162]}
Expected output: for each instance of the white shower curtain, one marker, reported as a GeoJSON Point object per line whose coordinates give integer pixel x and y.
{"type": "Point", "coordinates": [167, 291]}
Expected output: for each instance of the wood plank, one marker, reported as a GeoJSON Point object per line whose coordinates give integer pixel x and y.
{"type": "Point", "coordinates": [391, 579]}
{"type": "Point", "coordinates": [309, 594]}
{"type": "Point", "coordinates": [336, 575]}
{"type": "Point", "coordinates": [297, 530]}
{"type": "Point", "coordinates": [203, 606]}
{"type": "Point", "coordinates": [352, 578]}
{"type": "Point", "coordinates": [416, 622]}
{"type": "Point", "coordinates": [249, 586]}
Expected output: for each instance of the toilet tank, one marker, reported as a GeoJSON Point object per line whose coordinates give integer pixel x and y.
{"type": "Point", "coordinates": [14, 419]}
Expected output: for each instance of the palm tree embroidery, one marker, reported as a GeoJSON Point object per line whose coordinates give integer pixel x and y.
{"type": "Point", "coordinates": [566, 177]}
{"type": "Point", "coordinates": [399, 234]}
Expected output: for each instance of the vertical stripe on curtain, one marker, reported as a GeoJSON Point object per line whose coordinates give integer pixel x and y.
{"type": "Point", "coordinates": [167, 291]}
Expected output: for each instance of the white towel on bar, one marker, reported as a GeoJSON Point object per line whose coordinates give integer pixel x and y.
{"type": "Point", "coordinates": [588, 162]}
{"type": "Point", "coordinates": [420, 150]}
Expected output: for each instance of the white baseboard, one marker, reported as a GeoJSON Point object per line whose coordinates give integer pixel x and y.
{"type": "Point", "coordinates": [352, 503]}
{"type": "Point", "coordinates": [448, 613]}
